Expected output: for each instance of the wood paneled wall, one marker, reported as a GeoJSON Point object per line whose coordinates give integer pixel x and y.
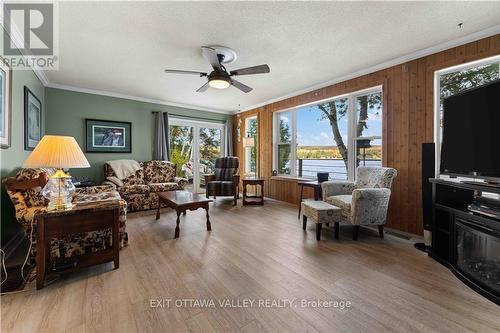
{"type": "Point", "coordinates": [408, 120]}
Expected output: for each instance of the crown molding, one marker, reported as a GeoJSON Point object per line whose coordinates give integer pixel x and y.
{"type": "Point", "coordinates": [134, 98]}
{"type": "Point", "coordinates": [415, 55]}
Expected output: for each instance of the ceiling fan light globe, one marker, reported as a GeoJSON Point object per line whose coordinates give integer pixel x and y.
{"type": "Point", "coordinates": [219, 83]}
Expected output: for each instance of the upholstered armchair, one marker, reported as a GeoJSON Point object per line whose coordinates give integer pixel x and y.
{"type": "Point", "coordinates": [225, 180]}
{"type": "Point", "coordinates": [24, 191]}
{"type": "Point", "coordinates": [365, 201]}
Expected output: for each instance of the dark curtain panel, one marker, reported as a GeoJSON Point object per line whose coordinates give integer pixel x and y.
{"type": "Point", "coordinates": [161, 144]}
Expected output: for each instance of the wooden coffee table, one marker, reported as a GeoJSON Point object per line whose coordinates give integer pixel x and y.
{"type": "Point", "coordinates": [182, 201]}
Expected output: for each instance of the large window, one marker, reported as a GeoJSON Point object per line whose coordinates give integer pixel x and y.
{"type": "Point", "coordinates": [368, 129]}
{"type": "Point", "coordinates": [453, 80]}
{"type": "Point", "coordinates": [322, 139]}
{"type": "Point", "coordinates": [251, 125]}
{"type": "Point", "coordinates": [284, 146]}
{"type": "Point", "coordinates": [333, 136]}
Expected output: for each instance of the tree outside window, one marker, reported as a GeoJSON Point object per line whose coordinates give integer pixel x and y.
{"type": "Point", "coordinates": [181, 145]}
{"type": "Point", "coordinates": [323, 134]}
{"type": "Point", "coordinates": [285, 143]}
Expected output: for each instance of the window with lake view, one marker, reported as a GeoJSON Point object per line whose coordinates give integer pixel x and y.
{"type": "Point", "coordinates": [333, 136]}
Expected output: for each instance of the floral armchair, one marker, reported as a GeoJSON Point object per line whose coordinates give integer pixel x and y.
{"type": "Point", "coordinates": [139, 189]}
{"type": "Point", "coordinates": [29, 202]}
{"type": "Point", "coordinates": [364, 202]}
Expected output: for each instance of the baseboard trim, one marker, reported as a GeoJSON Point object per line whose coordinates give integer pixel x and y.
{"type": "Point", "coordinates": [398, 234]}
{"type": "Point", "coordinates": [403, 234]}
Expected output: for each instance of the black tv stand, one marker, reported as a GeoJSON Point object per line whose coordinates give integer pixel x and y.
{"type": "Point", "coordinates": [487, 184]}
{"type": "Point", "coordinates": [453, 227]}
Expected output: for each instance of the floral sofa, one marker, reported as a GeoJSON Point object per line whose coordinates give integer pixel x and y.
{"type": "Point", "coordinates": [139, 189]}
{"type": "Point", "coordinates": [28, 203]}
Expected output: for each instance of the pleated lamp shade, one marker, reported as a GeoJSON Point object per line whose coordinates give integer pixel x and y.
{"type": "Point", "coordinates": [54, 151]}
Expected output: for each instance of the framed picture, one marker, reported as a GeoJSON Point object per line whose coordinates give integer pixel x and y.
{"type": "Point", "coordinates": [32, 120]}
{"type": "Point", "coordinates": [5, 104]}
{"type": "Point", "coordinates": [106, 136]}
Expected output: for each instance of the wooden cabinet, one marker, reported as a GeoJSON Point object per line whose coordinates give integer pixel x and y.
{"type": "Point", "coordinates": [464, 241]}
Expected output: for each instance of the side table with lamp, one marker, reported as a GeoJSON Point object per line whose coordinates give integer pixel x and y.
{"type": "Point", "coordinates": [257, 198]}
{"type": "Point", "coordinates": [62, 216]}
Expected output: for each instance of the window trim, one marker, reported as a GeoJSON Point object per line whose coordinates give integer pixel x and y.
{"type": "Point", "coordinates": [351, 129]}
{"type": "Point", "coordinates": [437, 101]}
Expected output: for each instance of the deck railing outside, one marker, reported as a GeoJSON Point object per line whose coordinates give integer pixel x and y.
{"type": "Point", "coordinates": [309, 167]}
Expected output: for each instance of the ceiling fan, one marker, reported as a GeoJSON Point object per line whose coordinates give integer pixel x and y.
{"type": "Point", "coordinates": [220, 78]}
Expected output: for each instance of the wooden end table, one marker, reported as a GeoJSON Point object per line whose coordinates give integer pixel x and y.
{"type": "Point", "coordinates": [83, 217]}
{"type": "Point", "coordinates": [254, 199]}
{"type": "Point", "coordinates": [182, 201]}
{"type": "Point", "coordinates": [316, 187]}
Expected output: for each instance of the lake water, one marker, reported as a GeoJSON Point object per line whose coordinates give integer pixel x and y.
{"type": "Point", "coordinates": [335, 167]}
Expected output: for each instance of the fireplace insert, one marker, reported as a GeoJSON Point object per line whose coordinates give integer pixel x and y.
{"type": "Point", "coordinates": [477, 254]}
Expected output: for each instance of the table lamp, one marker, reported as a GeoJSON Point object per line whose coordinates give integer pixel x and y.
{"type": "Point", "coordinates": [58, 152]}
{"type": "Point", "coordinates": [249, 142]}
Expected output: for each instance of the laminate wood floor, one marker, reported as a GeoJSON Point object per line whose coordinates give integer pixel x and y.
{"type": "Point", "coordinates": [253, 253]}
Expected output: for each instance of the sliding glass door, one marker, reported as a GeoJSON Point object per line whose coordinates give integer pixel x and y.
{"type": "Point", "coordinates": [209, 147]}
{"type": "Point", "coordinates": [181, 151]}
{"type": "Point", "coordinates": [194, 146]}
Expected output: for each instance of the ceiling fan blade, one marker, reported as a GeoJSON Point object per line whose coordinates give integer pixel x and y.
{"type": "Point", "coordinates": [241, 86]}
{"type": "Point", "coordinates": [203, 88]}
{"type": "Point", "coordinates": [175, 71]}
{"type": "Point", "coordinates": [251, 70]}
{"type": "Point", "coordinates": [211, 55]}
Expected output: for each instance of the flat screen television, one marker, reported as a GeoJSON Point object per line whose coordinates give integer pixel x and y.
{"type": "Point", "coordinates": [471, 133]}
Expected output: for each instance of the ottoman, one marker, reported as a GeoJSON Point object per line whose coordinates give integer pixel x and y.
{"type": "Point", "coordinates": [320, 212]}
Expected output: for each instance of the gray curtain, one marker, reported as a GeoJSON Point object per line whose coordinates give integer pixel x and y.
{"type": "Point", "coordinates": [161, 144]}
{"type": "Point", "coordinates": [228, 140]}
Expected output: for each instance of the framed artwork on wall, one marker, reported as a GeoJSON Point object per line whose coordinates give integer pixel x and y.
{"type": "Point", "coordinates": [32, 120]}
{"type": "Point", "coordinates": [5, 104]}
{"type": "Point", "coordinates": [106, 136]}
